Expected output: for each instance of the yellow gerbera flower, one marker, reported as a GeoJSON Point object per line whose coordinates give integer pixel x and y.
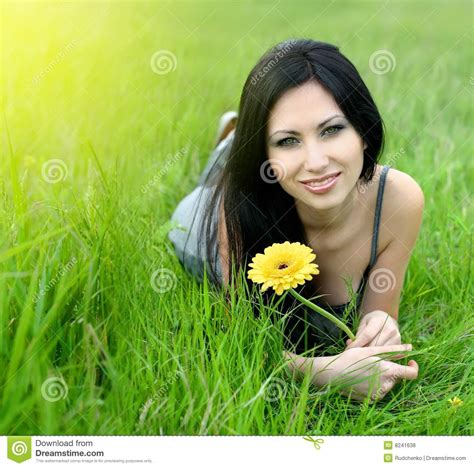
{"type": "Point", "coordinates": [283, 266]}
{"type": "Point", "coordinates": [455, 401]}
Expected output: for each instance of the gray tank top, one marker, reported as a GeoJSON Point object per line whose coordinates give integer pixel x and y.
{"type": "Point", "coordinates": [340, 308]}
{"type": "Point", "coordinates": [309, 329]}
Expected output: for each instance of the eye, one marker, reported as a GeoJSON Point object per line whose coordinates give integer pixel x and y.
{"type": "Point", "coordinates": [336, 129]}
{"type": "Point", "coordinates": [286, 141]}
{"type": "Point", "coordinates": [289, 141]}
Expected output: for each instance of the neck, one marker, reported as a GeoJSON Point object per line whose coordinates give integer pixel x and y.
{"type": "Point", "coordinates": [329, 220]}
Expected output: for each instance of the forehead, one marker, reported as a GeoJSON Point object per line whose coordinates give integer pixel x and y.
{"type": "Point", "coordinates": [305, 105]}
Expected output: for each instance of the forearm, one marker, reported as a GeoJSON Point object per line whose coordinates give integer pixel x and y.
{"type": "Point", "coordinates": [318, 367]}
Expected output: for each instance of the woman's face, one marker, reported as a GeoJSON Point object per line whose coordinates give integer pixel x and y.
{"type": "Point", "coordinates": [300, 146]}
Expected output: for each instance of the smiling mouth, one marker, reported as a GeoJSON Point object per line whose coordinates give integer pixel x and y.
{"type": "Point", "coordinates": [323, 182]}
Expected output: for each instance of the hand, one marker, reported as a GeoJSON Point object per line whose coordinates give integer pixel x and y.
{"type": "Point", "coordinates": [362, 374]}
{"type": "Point", "coordinates": [376, 328]}
{"type": "Point", "coordinates": [359, 372]}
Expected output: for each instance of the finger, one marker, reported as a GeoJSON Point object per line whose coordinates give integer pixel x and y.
{"type": "Point", "coordinates": [361, 339]}
{"type": "Point", "coordinates": [393, 348]}
{"type": "Point", "coordinates": [367, 335]}
{"type": "Point", "coordinates": [409, 372]}
{"type": "Point", "coordinates": [386, 343]}
{"type": "Point", "coordinates": [382, 339]}
{"type": "Point", "coordinates": [295, 362]}
{"type": "Point", "coordinates": [386, 339]}
{"type": "Point", "coordinates": [348, 342]}
{"type": "Point", "coordinates": [289, 355]}
{"type": "Point", "coordinates": [382, 350]}
{"type": "Point", "coordinates": [395, 339]}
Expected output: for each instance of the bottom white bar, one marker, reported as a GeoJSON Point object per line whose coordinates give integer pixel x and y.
{"type": "Point", "coordinates": [238, 452]}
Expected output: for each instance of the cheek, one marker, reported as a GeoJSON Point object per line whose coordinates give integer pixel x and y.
{"type": "Point", "coordinates": [282, 168]}
{"type": "Point", "coordinates": [344, 150]}
{"type": "Point", "coordinates": [352, 146]}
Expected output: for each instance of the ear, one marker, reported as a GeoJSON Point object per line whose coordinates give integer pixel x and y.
{"type": "Point", "coordinates": [365, 145]}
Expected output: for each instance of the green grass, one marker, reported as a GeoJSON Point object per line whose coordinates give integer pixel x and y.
{"type": "Point", "coordinates": [77, 256]}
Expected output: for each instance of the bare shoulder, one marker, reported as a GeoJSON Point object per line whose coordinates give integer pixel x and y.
{"type": "Point", "coordinates": [403, 205]}
{"type": "Point", "coordinates": [402, 193]}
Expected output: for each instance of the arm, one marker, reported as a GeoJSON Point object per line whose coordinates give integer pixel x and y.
{"type": "Point", "coordinates": [297, 366]}
{"type": "Point", "coordinates": [404, 207]}
{"type": "Point", "coordinates": [359, 372]}
{"type": "Point", "coordinates": [223, 244]}
{"type": "Point", "coordinates": [380, 304]}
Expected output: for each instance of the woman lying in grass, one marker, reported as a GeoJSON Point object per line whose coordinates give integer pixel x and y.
{"type": "Point", "coordinates": [301, 165]}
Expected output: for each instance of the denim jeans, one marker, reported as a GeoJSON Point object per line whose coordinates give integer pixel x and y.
{"type": "Point", "coordinates": [189, 214]}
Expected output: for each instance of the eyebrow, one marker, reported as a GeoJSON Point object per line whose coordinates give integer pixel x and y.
{"type": "Point", "coordinates": [293, 132]}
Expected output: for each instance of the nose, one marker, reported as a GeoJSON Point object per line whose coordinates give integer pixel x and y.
{"type": "Point", "coordinates": [316, 158]}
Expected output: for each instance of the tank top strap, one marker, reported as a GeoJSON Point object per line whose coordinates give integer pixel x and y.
{"type": "Point", "coordinates": [378, 215]}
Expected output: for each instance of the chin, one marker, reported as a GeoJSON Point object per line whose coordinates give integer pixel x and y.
{"type": "Point", "coordinates": [325, 204]}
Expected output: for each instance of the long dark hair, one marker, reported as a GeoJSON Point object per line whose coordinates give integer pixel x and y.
{"type": "Point", "coordinates": [258, 213]}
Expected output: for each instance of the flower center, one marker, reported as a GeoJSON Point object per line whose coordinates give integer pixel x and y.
{"type": "Point", "coordinates": [282, 266]}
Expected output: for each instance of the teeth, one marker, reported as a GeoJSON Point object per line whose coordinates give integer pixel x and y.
{"type": "Point", "coordinates": [320, 184]}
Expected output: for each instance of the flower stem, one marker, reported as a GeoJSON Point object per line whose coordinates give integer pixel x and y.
{"type": "Point", "coordinates": [323, 312]}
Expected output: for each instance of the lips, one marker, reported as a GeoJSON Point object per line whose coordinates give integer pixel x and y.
{"type": "Point", "coordinates": [321, 181]}
{"type": "Point", "coordinates": [322, 186]}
